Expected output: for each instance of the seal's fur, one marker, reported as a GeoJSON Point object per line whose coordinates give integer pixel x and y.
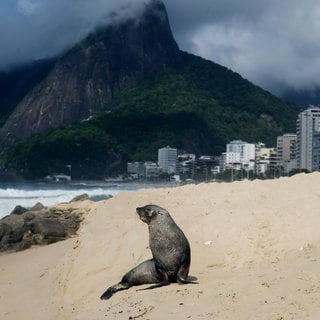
{"type": "Point", "coordinates": [170, 250]}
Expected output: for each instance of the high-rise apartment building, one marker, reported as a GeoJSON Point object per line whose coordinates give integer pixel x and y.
{"type": "Point", "coordinates": [230, 160]}
{"type": "Point", "coordinates": [167, 159]}
{"type": "Point", "coordinates": [265, 158]}
{"type": "Point", "coordinates": [286, 151]}
{"type": "Point", "coordinates": [308, 139]}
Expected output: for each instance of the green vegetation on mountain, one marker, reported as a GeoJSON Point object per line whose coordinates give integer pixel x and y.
{"type": "Point", "coordinates": [198, 108]}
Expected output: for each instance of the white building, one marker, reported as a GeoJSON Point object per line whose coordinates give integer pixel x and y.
{"type": "Point", "coordinates": [264, 158]}
{"type": "Point", "coordinates": [167, 159]}
{"type": "Point", "coordinates": [308, 139]}
{"type": "Point", "coordinates": [152, 170]}
{"type": "Point", "coordinates": [245, 151]}
{"type": "Point", "coordinates": [186, 162]}
{"type": "Point", "coordinates": [137, 169]}
{"type": "Point", "coordinates": [231, 158]}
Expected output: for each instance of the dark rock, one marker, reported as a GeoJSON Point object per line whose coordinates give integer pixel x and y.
{"type": "Point", "coordinates": [38, 226]}
{"type": "Point", "coordinates": [19, 210]}
{"type": "Point", "coordinates": [15, 235]}
{"type": "Point", "coordinates": [27, 241]}
{"type": "Point", "coordinates": [71, 223]}
{"type": "Point", "coordinates": [15, 221]}
{"type": "Point", "coordinates": [29, 215]}
{"type": "Point", "coordinates": [11, 235]}
{"type": "Point", "coordinates": [37, 207]}
{"type": "Point", "coordinates": [11, 231]}
{"type": "Point", "coordinates": [82, 197]}
{"type": "Point", "coordinates": [3, 229]}
{"type": "Point", "coordinates": [48, 230]}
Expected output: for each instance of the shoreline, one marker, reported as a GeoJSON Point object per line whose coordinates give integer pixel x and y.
{"type": "Point", "coordinates": [27, 194]}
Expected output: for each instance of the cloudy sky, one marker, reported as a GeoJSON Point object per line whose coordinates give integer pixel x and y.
{"type": "Point", "coordinates": [273, 43]}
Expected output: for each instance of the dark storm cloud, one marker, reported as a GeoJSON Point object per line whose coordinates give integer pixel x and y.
{"type": "Point", "coordinates": [35, 29]}
{"type": "Point", "coordinates": [272, 43]}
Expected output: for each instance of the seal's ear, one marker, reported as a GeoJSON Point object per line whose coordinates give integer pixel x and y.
{"type": "Point", "coordinates": [158, 212]}
{"type": "Point", "coordinates": [153, 213]}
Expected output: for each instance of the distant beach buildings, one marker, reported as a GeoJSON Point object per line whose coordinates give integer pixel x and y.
{"type": "Point", "coordinates": [308, 139]}
{"type": "Point", "coordinates": [167, 164]}
{"type": "Point", "coordinates": [167, 159]}
{"type": "Point", "coordinates": [287, 152]}
{"type": "Point", "coordinates": [293, 151]}
{"type": "Point", "coordinates": [239, 155]}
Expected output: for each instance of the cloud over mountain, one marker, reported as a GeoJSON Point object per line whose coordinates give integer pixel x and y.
{"type": "Point", "coordinates": [34, 29]}
{"type": "Point", "coordinates": [274, 44]}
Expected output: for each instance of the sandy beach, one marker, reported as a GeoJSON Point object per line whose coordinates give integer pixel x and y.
{"type": "Point", "coordinates": [255, 254]}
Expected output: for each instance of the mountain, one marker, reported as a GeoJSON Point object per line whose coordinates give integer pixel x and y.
{"type": "Point", "coordinates": [16, 83]}
{"type": "Point", "coordinates": [124, 92]}
{"type": "Point", "coordinates": [87, 77]}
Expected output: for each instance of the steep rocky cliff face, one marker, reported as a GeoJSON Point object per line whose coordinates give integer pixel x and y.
{"type": "Point", "coordinates": [88, 76]}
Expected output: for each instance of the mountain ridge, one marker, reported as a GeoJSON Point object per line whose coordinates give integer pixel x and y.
{"type": "Point", "coordinates": [173, 107]}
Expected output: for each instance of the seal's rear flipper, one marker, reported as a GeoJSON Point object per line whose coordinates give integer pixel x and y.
{"type": "Point", "coordinates": [107, 294]}
{"type": "Point", "coordinates": [112, 290]}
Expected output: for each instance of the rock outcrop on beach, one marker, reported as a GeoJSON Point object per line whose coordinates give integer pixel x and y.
{"type": "Point", "coordinates": [39, 225]}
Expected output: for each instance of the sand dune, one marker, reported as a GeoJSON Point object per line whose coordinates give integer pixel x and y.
{"type": "Point", "coordinates": [255, 253]}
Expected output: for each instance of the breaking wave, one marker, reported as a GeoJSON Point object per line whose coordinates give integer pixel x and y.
{"type": "Point", "coordinates": [28, 194]}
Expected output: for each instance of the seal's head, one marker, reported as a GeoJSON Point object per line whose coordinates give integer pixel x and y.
{"type": "Point", "coordinates": [150, 212]}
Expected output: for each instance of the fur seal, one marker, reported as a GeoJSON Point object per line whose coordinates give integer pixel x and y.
{"type": "Point", "coordinates": [170, 250]}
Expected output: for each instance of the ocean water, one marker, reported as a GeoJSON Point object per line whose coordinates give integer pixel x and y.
{"type": "Point", "coordinates": [28, 194]}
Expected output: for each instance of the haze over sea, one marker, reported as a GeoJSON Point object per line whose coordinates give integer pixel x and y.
{"type": "Point", "coordinates": [28, 194]}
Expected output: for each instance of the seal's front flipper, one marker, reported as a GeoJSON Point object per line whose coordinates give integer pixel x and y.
{"type": "Point", "coordinates": [188, 280]}
{"type": "Point", "coordinates": [181, 281]}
